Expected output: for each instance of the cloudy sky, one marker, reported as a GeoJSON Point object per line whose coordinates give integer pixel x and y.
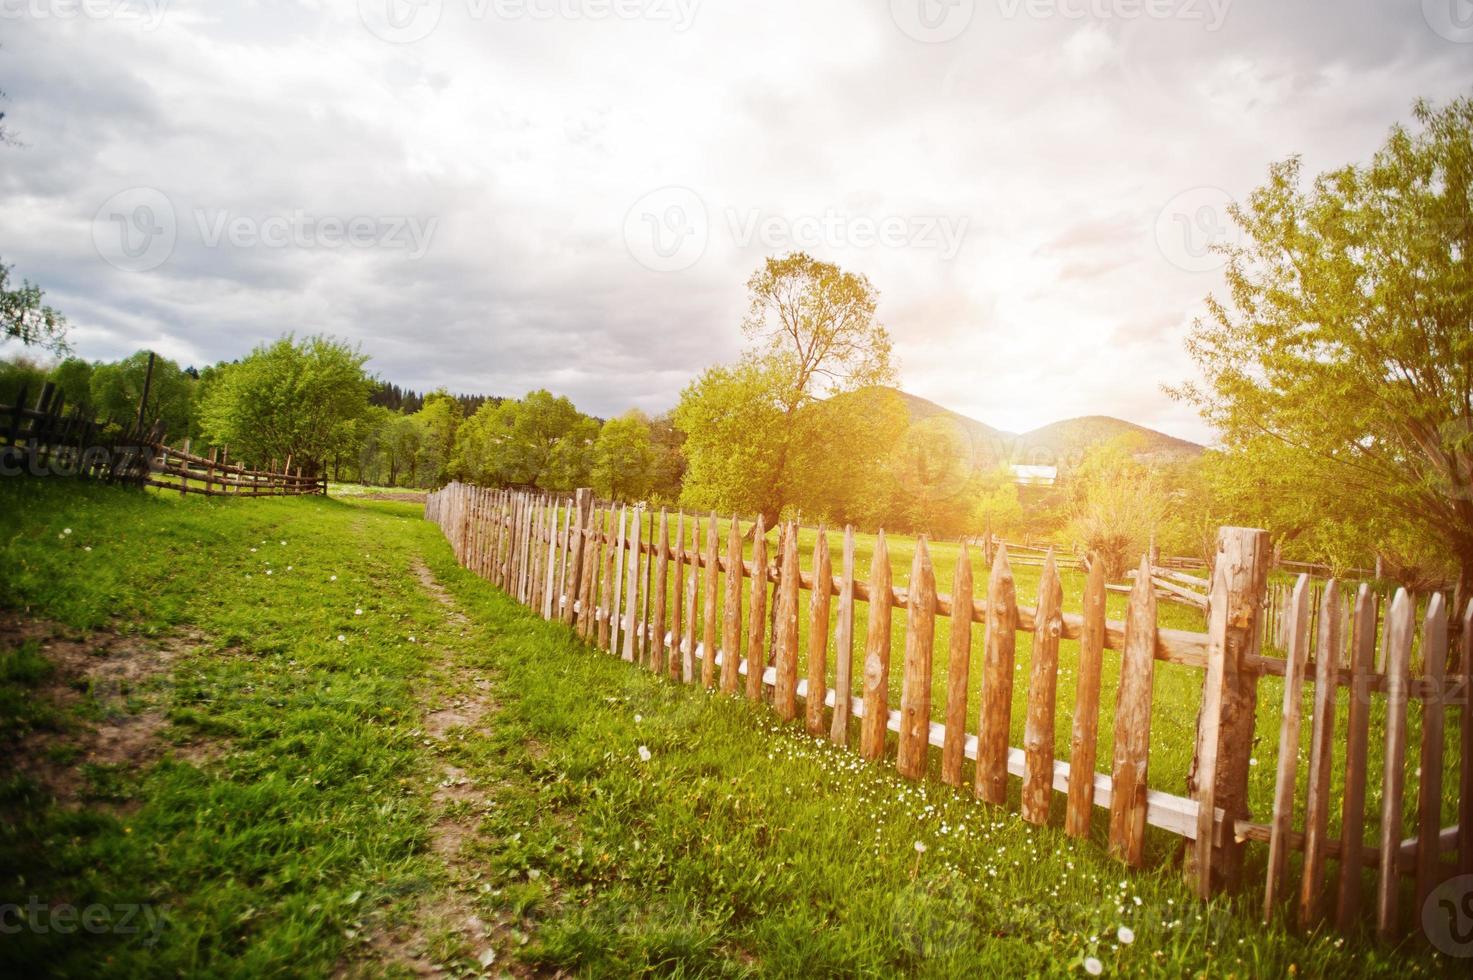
{"type": "Point", "coordinates": [500, 195]}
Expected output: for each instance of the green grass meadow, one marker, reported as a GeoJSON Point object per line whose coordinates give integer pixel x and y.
{"type": "Point", "coordinates": [626, 825]}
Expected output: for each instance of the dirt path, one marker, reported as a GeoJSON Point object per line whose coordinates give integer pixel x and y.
{"type": "Point", "coordinates": [445, 936]}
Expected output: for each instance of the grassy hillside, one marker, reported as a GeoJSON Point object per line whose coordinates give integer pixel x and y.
{"type": "Point", "coordinates": [1064, 441]}
{"type": "Point", "coordinates": [349, 756]}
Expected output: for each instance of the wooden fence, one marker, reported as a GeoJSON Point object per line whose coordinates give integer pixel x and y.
{"type": "Point", "coordinates": [49, 440]}
{"type": "Point", "coordinates": [615, 577]}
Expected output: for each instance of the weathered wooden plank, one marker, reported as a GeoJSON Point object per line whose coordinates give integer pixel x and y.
{"type": "Point", "coordinates": [757, 609]}
{"type": "Point", "coordinates": [995, 715]}
{"type": "Point", "coordinates": [630, 650]}
{"type": "Point", "coordinates": [1244, 553]}
{"type": "Point", "coordinates": [1282, 819]}
{"type": "Point", "coordinates": [1357, 728]}
{"type": "Point", "coordinates": [1084, 729]}
{"type": "Point", "coordinates": [602, 613]}
{"type": "Point", "coordinates": [915, 689]}
{"type": "Point", "coordinates": [621, 549]}
{"type": "Point", "coordinates": [688, 651]}
{"type": "Point", "coordinates": [1038, 730]}
{"type": "Point", "coordinates": [708, 633]}
{"type": "Point", "coordinates": [1465, 780]}
{"type": "Point", "coordinates": [661, 586]}
{"type": "Point", "coordinates": [677, 596]}
{"type": "Point", "coordinates": [844, 645]}
{"type": "Point", "coordinates": [818, 634]}
{"type": "Point", "coordinates": [1399, 630]}
{"type": "Point", "coordinates": [1321, 755]}
{"type": "Point", "coordinates": [1429, 796]}
{"type": "Point", "coordinates": [876, 657]}
{"type": "Point", "coordinates": [1199, 872]}
{"type": "Point", "coordinates": [958, 674]}
{"type": "Point", "coordinates": [785, 632]}
{"type": "Point", "coordinates": [1133, 725]}
{"type": "Point", "coordinates": [731, 637]}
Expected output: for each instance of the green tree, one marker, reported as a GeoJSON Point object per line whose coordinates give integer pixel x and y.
{"type": "Point", "coordinates": [997, 507]}
{"type": "Point", "coordinates": [298, 399]}
{"type": "Point", "coordinates": [73, 377]}
{"type": "Point", "coordinates": [1119, 505]}
{"type": "Point", "coordinates": [17, 373]}
{"type": "Point", "coordinates": [23, 315]}
{"type": "Point", "coordinates": [540, 441]}
{"type": "Point", "coordinates": [813, 335]}
{"type": "Point", "coordinates": [624, 458]}
{"type": "Point", "coordinates": [439, 420]}
{"type": "Point", "coordinates": [1348, 334]}
{"type": "Point", "coordinates": [117, 388]}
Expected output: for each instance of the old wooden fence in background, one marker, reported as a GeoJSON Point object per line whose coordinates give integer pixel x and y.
{"type": "Point", "coordinates": [48, 440]}
{"type": "Point", "coordinates": [614, 576]}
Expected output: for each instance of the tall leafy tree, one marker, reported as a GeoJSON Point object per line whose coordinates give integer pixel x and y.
{"type": "Point", "coordinates": [624, 458]}
{"type": "Point", "coordinates": [23, 314]}
{"type": "Point", "coordinates": [540, 440]}
{"type": "Point", "coordinates": [291, 398]}
{"type": "Point", "coordinates": [117, 389]}
{"type": "Point", "coordinates": [1347, 338]}
{"type": "Point", "coordinates": [813, 335]}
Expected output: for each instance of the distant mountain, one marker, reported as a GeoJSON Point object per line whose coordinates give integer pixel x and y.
{"type": "Point", "coordinates": [1059, 444]}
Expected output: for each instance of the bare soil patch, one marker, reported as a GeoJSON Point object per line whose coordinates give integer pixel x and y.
{"type": "Point", "coordinates": [109, 689]}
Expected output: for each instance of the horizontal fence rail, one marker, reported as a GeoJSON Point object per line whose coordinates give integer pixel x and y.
{"type": "Point", "coordinates": [49, 440]}
{"type": "Point", "coordinates": [666, 592]}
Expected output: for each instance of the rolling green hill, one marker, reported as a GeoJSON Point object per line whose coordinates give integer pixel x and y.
{"type": "Point", "coordinates": [1056, 444]}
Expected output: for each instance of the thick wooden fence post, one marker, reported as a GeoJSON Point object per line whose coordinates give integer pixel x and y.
{"type": "Point", "coordinates": [818, 634]}
{"type": "Point", "coordinates": [1357, 725]}
{"type": "Point", "coordinates": [1244, 554]}
{"type": "Point", "coordinates": [873, 725]}
{"type": "Point", "coordinates": [1084, 730]}
{"type": "Point", "coordinates": [1429, 796]}
{"type": "Point", "coordinates": [1321, 756]}
{"type": "Point", "coordinates": [915, 691]}
{"type": "Point", "coordinates": [1130, 773]}
{"type": "Point", "coordinates": [1038, 733]}
{"type": "Point", "coordinates": [708, 632]}
{"type": "Point", "coordinates": [757, 620]}
{"type": "Point", "coordinates": [578, 533]}
{"type": "Point", "coordinates": [1399, 629]}
{"type": "Point", "coordinates": [844, 646]}
{"type": "Point", "coordinates": [731, 622]}
{"type": "Point", "coordinates": [785, 691]}
{"type": "Point", "coordinates": [958, 671]}
{"type": "Point", "coordinates": [995, 716]}
{"type": "Point", "coordinates": [1282, 820]}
